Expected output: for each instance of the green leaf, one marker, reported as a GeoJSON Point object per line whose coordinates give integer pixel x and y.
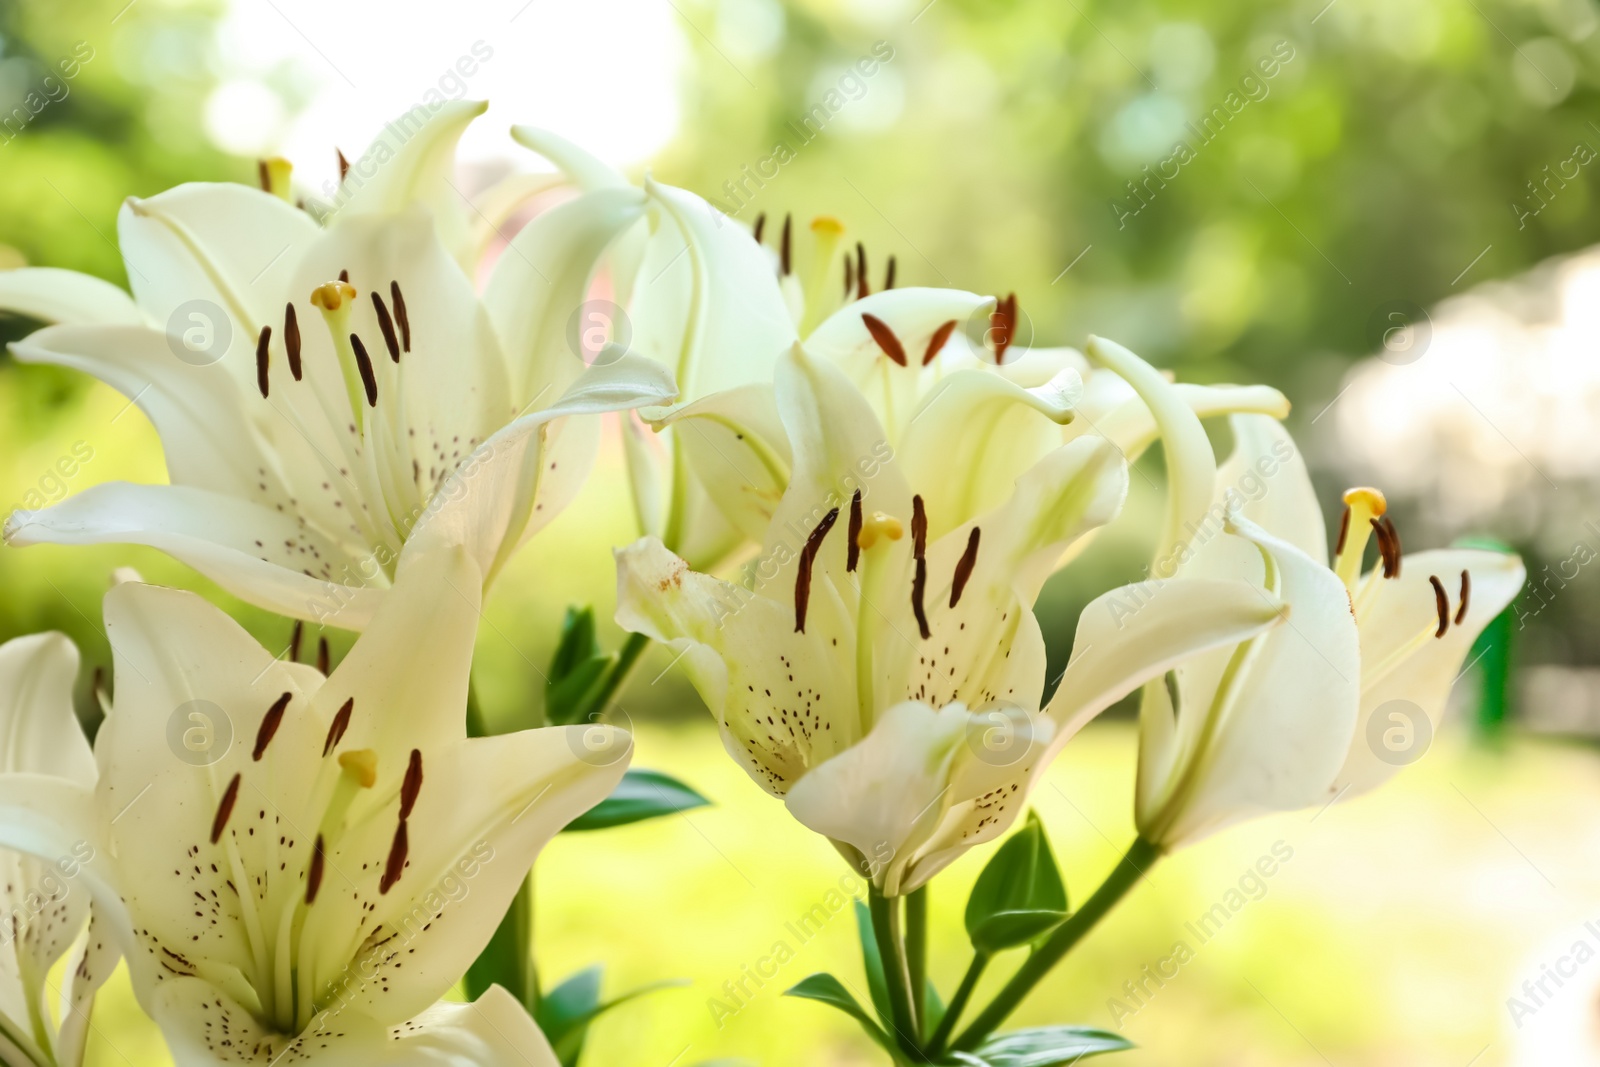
{"type": "Point", "coordinates": [1019, 895]}
{"type": "Point", "coordinates": [933, 1004]}
{"type": "Point", "coordinates": [827, 989]}
{"type": "Point", "coordinates": [1044, 1046]}
{"type": "Point", "coordinates": [577, 670]}
{"type": "Point", "coordinates": [566, 1011]}
{"type": "Point", "coordinates": [641, 795]}
{"type": "Point", "coordinates": [872, 962]}
{"type": "Point", "coordinates": [504, 960]}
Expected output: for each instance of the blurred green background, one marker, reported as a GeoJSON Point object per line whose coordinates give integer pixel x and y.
{"type": "Point", "coordinates": [1401, 152]}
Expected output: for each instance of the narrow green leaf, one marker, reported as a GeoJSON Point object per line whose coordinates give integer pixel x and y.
{"type": "Point", "coordinates": [1048, 1046]}
{"type": "Point", "coordinates": [577, 669]}
{"type": "Point", "coordinates": [642, 794]}
{"type": "Point", "coordinates": [567, 1010]}
{"type": "Point", "coordinates": [827, 989]}
{"type": "Point", "coordinates": [1022, 876]}
{"type": "Point", "coordinates": [872, 962]}
{"type": "Point", "coordinates": [504, 960]}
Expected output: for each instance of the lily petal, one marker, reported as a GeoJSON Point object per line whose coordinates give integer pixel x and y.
{"type": "Point", "coordinates": [1266, 476]}
{"type": "Point", "coordinates": [66, 296]}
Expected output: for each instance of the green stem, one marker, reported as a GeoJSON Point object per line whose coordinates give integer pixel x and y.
{"type": "Point", "coordinates": [917, 957]}
{"type": "Point", "coordinates": [958, 1003]}
{"type": "Point", "coordinates": [1132, 867]}
{"type": "Point", "coordinates": [891, 949]}
{"type": "Point", "coordinates": [507, 959]}
{"type": "Point", "coordinates": [627, 659]}
{"type": "Point", "coordinates": [477, 725]}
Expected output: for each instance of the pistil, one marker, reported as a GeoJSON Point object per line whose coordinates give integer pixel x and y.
{"type": "Point", "coordinates": [1362, 506]}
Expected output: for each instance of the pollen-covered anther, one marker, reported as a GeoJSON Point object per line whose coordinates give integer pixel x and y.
{"type": "Point", "coordinates": [395, 865]}
{"type": "Point", "coordinates": [1003, 326]}
{"type": "Point", "coordinates": [336, 729]}
{"type": "Point", "coordinates": [937, 342]}
{"type": "Point", "coordinates": [369, 380]}
{"type": "Point", "coordinates": [412, 785]}
{"type": "Point", "coordinates": [360, 764]}
{"type": "Point", "coordinates": [808, 560]}
{"type": "Point", "coordinates": [322, 656]}
{"type": "Point", "coordinates": [862, 288]}
{"type": "Point", "coordinates": [964, 566]}
{"type": "Point", "coordinates": [1441, 603]}
{"type": "Point", "coordinates": [230, 796]}
{"type": "Point", "coordinates": [314, 874]}
{"type": "Point", "coordinates": [402, 318]}
{"type": "Point", "coordinates": [853, 533]}
{"type": "Point", "coordinates": [1394, 541]}
{"type": "Point", "coordinates": [919, 577]}
{"type": "Point", "coordinates": [1388, 546]}
{"type": "Point", "coordinates": [269, 726]}
{"type": "Point", "coordinates": [291, 339]}
{"type": "Point", "coordinates": [786, 247]}
{"type": "Point", "coordinates": [1466, 597]}
{"type": "Point", "coordinates": [386, 326]}
{"type": "Point", "coordinates": [263, 356]}
{"type": "Point", "coordinates": [760, 227]}
{"type": "Point", "coordinates": [884, 336]}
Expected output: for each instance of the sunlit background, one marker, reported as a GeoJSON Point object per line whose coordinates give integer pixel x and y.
{"type": "Point", "coordinates": [1392, 227]}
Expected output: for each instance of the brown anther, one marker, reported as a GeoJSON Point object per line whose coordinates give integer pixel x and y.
{"type": "Point", "coordinates": [344, 165]}
{"type": "Point", "coordinates": [295, 636]}
{"type": "Point", "coordinates": [885, 337]}
{"type": "Point", "coordinates": [322, 655]}
{"type": "Point", "coordinates": [314, 875]}
{"type": "Point", "coordinates": [263, 176]}
{"type": "Point", "coordinates": [269, 727]}
{"type": "Point", "coordinates": [386, 327]}
{"type": "Point", "coordinates": [400, 315]}
{"type": "Point", "coordinates": [1386, 548]}
{"type": "Point", "coordinates": [336, 728]}
{"type": "Point", "coordinates": [262, 359]}
{"type": "Point", "coordinates": [344, 276]}
{"type": "Point", "coordinates": [936, 343]}
{"type": "Point", "coordinates": [919, 551]}
{"type": "Point", "coordinates": [786, 247]}
{"type": "Point", "coordinates": [1441, 603]}
{"type": "Point", "coordinates": [1466, 597]}
{"type": "Point", "coordinates": [291, 338]}
{"type": "Point", "coordinates": [761, 225]}
{"type": "Point", "coordinates": [849, 275]}
{"type": "Point", "coordinates": [230, 796]}
{"type": "Point", "coordinates": [853, 548]}
{"type": "Point", "coordinates": [888, 274]}
{"type": "Point", "coordinates": [862, 290]}
{"type": "Point", "coordinates": [808, 559]}
{"type": "Point", "coordinates": [395, 865]}
{"type": "Point", "coordinates": [968, 560]}
{"type": "Point", "coordinates": [1003, 325]}
{"type": "Point", "coordinates": [369, 380]}
{"type": "Point", "coordinates": [1394, 540]}
{"type": "Point", "coordinates": [412, 785]}
{"type": "Point", "coordinates": [1344, 531]}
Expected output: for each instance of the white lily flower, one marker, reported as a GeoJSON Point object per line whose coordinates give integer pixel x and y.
{"type": "Point", "coordinates": [45, 909]}
{"type": "Point", "coordinates": [305, 886]}
{"type": "Point", "coordinates": [882, 671]}
{"type": "Point", "coordinates": [353, 383]}
{"type": "Point", "coordinates": [1279, 722]}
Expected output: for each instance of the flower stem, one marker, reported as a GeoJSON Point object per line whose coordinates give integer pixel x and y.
{"type": "Point", "coordinates": [1129, 870]}
{"type": "Point", "coordinates": [627, 659]}
{"type": "Point", "coordinates": [917, 957]}
{"type": "Point", "coordinates": [891, 949]}
{"type": "Point", "coordinates": [958, 1003]}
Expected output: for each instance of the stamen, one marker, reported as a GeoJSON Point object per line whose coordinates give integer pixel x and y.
{"type": "Point", "coordinates": [229, 797]}
{"type": "Point", "coordinates": [386, 325]}
{"type": "Point", "coordinates": [294, 640]}
{"type": "Point", "coordinates": [853, 548]}
{"type": "Point", "coordinates": [314, 875]}
{"type": "Point", "coordinates": [968, 560]}
{"type": "Point", "coordinates": [364, 364]}
{"type": "Point", "coordinates": [269, 727]}
{"type": "Point", "coordinates": [1466, 597]}
{"type": "Point", "coordinates": [361, 764]}
{"type": "Point", "coordinates": [340, 723]}
{"type": "Point", "coordinates": [888, 274]}
{"type": "Point", "coordinates": [344, 276]}
{"type": "Point", "coordinates": [1385, 547]}
{"type": "Point", "coordinates": [322, 655]}
{"type": "Point", "coordinates": [1344, 531]}
{"type": "Point", "coordinates": [261, 359]}
{"type": "Point", "coordinates": [885, 337]}
{"type": "Point", "coordinates": [400, 315]}
{"type": "Point", "coordinates": [395, 865]}
{"type": "Point", "coordinates": [808, 559]}
{"type": "Point", "coordinates": [412, 785]}
{"type": "Point", "coordinates": [1003, 324]}
{"type": "Point", "coordinates": [761, 224]}
{"type": "Point", "coordinates": [344, 166]}
{"type": "Point", "coordinates": [849, 275]}
{"type": "Point", "coordinates": [861, 271]}
{"type": "Point", "coordinates": [919, 551]}
{"type": "Point", "coordinates": [1441, 603]}
{"type": "Point", "coordinates": [263, 177]}
{"type": "Point", "coordinates": [937, 342]}
{"type": "Point", "coordinates": [786, 247]}
{"type": "Point", "coordinates": [273, 173]}
{"type": "Point", "coordinates": [291, 338]}
{"type": "Point", "coordinates": [1364, 506]}
{"type": "Point", "coordinates": [1394, 539]}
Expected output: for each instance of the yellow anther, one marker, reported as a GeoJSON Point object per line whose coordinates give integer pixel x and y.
{"type": "Point", "coordinates": [879, 525]}
{"type": "Point", "coordinates": [1366, 497]}
{"type": "Point", "coordinates": [360, 764]}
{"type": "Point", "coordinates": [331, 296]}
{"type": "Point", "coordinates": [274, 173]}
